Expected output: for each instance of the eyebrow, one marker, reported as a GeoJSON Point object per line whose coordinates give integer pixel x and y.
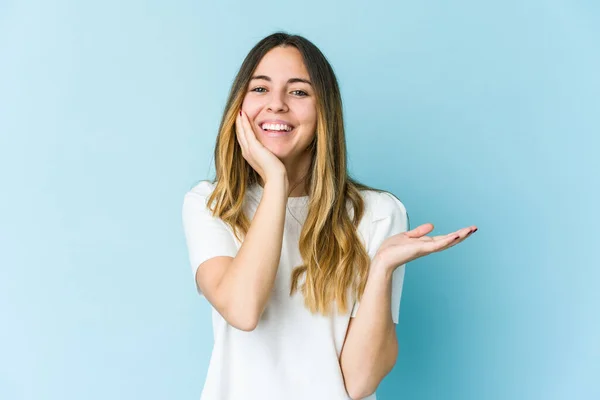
{"type": "Point", "coordinates": [291, 80]}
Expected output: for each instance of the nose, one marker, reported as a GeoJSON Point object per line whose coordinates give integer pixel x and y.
{"type": "Point", "coordinates": [277, 102]}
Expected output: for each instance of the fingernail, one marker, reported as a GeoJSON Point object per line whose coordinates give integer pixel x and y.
{"type": "Point", "coordinates": [475, 230]}
{"type": "Point", "coordinates": [456, 238]}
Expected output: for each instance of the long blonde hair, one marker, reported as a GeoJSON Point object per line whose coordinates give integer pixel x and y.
{"type": "Point", "coordinates": [334, 258]}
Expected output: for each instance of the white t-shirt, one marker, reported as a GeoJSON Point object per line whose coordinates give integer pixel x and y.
{"type": "Point", "coordinates": [292, 354]}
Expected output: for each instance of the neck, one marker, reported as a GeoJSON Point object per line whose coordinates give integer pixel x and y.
{"type": "Point", "coordinates": [296, 171]}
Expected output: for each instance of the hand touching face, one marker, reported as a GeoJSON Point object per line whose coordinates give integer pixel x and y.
{"type": "Point", "coordinates": [261, 159]}
{"type": "Point", "coordinates": [281, 105]}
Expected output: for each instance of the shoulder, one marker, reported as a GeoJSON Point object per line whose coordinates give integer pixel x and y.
{"type": "Point", "coordinates": [202, 189]}
{"type": "Point", "coordinates": [199, 191]}
{"type": "Point", "coordinates": [196, 197]}
{"type": "Point", "coordinates": [381, 204]}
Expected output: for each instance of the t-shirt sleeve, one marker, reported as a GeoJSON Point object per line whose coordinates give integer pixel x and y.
{"type": "Point", "coordinates": [206, 236]}
{"type": "Point", "coordinates": [389, 218]}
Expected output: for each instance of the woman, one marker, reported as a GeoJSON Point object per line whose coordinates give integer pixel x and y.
{"type": "Point", "coordinates": [285, 245]}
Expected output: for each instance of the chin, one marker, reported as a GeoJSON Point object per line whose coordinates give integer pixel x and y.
{"type": "Point", "coordinates": [280, 152]}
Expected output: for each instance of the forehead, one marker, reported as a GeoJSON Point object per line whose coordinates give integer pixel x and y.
{"type": "Point", "coordinates": [282, 62]}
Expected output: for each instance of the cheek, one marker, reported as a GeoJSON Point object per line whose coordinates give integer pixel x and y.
{"type": "Point", "coordinates": [305, 138]}
{"type": "Point", "coordinates": [251, 106]}
{"type": "Point", "coordinates": [309, 123]}
{"type": "Point", "coordinates": [308, 115]}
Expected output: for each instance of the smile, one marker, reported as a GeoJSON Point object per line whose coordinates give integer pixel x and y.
{"type": "Point", "coordinates": [276, 130]}
{"type": "Point", "coordinates": [277, 127]}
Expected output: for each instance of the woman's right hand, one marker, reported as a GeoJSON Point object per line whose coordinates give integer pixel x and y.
{"type": "Point", "coordinates": [258, 156]}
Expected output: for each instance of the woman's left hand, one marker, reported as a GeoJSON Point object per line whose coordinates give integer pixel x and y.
{"type": "Point", "coordinates": [408, 246]}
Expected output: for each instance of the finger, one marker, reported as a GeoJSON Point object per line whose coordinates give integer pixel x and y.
{"type": "Point", "coordinates": [240, 134]}
{"type": "Point", "coordinates": [248, 130]}
{"type": "Point", "coordinates": [453, 239]}
{"type": "Point", "coordinates": [420, 230]}
{"type": "Point", "coordinates": [442, 244]}
{"type": "Point", "coordinates": [443, 237]}
{"type": "Point", "coordinates": [461, 232]}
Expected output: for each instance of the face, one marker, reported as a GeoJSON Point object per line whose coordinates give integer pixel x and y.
{"type": "Point", "coordinates": [281, 104]}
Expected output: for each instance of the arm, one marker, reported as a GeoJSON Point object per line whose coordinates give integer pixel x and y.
{"type": "Point", "coordinates": [365, 363]}
{"type": "Point", "coordinates": [239, 287]}
{"type": "Point", "coordinates": [371, 348]}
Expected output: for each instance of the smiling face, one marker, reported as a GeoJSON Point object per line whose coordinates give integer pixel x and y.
{"type": "Point", "coordinates": [281, 105]}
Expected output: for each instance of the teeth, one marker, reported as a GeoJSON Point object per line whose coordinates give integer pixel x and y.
{"type": "Point", "coordinates": [277, 127]}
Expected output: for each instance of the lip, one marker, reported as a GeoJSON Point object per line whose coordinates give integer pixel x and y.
{"type": "Point", "coordinates": [276, 121]}
{"type": "Point", "coordinates": [276, 134]}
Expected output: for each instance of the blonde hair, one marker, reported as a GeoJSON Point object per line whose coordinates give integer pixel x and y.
{"type": "Point", "coordinates": [334, 258]}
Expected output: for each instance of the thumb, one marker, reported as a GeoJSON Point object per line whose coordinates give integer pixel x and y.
{"type": "Point", "coordinates": [420, 230]}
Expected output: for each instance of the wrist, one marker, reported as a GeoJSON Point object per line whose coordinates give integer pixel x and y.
{"type": "Point", "coordinates": [278, 184]}
{"type": "Point", "coordinates": [278, 176]}
{"type": "Point", "coordinates": [379, 267]}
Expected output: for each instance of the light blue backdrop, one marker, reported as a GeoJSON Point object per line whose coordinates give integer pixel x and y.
{"type": "Point", "coordinates": [484, 113]}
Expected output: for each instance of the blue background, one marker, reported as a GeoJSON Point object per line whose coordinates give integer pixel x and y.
{"type": "Point", "coordinates": [471, 112]}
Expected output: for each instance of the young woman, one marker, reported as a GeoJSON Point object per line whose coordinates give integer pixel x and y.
{"type": "Point", "coordinates": [285, 245]}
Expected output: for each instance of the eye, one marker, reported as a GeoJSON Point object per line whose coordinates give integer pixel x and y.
{"type": "Point", "coordinates": [301, 93]}
{"type": "Point", "coordinates": [256, 89]}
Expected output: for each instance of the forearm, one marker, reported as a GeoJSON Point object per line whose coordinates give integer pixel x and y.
{"type": "Point", "coordinates": [371, 348]}
{"type": "Point", "coordinates": [251, 276]}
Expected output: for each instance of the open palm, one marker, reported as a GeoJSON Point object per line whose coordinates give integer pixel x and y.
{"type": "Point", "coordinates": [407, 246]}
